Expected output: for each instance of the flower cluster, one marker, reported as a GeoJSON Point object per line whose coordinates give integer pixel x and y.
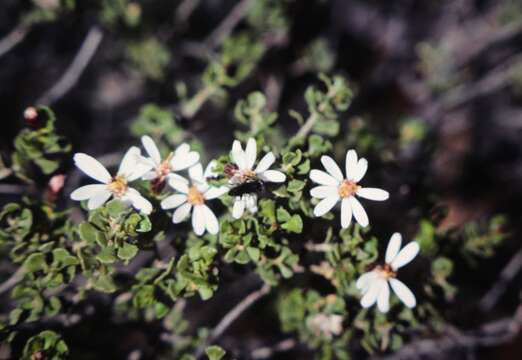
{"type": "Point", "coordinates": [245, 182]}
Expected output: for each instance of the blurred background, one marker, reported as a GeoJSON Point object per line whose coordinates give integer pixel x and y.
{"type": "Point", "coordinates": [437, 83]}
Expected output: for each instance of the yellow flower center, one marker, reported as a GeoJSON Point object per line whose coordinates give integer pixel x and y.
{"type": "Point", "coordinates": [195, 197]}
{"type": "Point", "coordinates": [118, 186]}
{"type": "Point", "coordinates": [386, 271]}
{"type": "Point", "coordinates": [347, 188]}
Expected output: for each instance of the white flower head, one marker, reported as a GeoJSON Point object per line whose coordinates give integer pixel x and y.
{"type": "Point", "coordinates": [326, 325]}
{"type": "Point", "coordinates": [335, 187]}
{"type": "Point", "coordinates": [242, 170]}
{"type": "Point", "coordinates": [375, 285]}
{"type": "Point", "coordinates": [182, 158]}
{"type": "Point", "coordinates": [193, 197]}
{"type": "Point", "coordinates": [118, 186]}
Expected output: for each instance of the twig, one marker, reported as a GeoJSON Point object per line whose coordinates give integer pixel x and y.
{"type": "Point", "coordinates": [16, 36]}
{"type": "Point", "coordinates": [511, 270]}
{"type": "Point", "coordinates": [75, 70]}
{"type": "Point", "coordinates": [12, 189]}
{"type": "Point", "coordinates": [228, 24]}
{"type": "Point", "coordinates": [185, 9]}
{"type": "Point", "coordinates": [232, 315]}
{"type": "Point", "coordinates": [12, 281]}
{"type": "Point", "coordinates": [267, 351]}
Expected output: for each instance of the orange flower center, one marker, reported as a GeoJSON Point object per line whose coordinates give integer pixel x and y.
{"type": "Point", "coordinates": [195, 197]}
{"type": "Point", "coordinates": [163, 168]}
{"type": "Point", "coordinates": [347, 188]}
{"type": "Point", "coordinates": [386, 271]}
{"type": "Point", "coordinates": [118, 186]}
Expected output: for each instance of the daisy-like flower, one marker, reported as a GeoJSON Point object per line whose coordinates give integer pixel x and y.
{"type": "Point", "coordinates": [375, 284]}
{"type": "Point", "coordinates": [334, 187]}
{"type": "Point", "coordinates": [181, 159]}
{"type": "Point", "coordinates": [118, 186]}
{"type": "Point", "coordinates": [242, 171]}
{"type": "Point", "coordinates": [193, 197]}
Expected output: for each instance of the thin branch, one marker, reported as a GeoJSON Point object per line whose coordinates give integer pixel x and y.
{"type": "Point", "coordinates": [15, 37]}
{"type": "Point", "coordinates": [232, 315]}
{"type": "Point", "coordinates": [267, 352]}
{"type": "Point", "coordinates": [228, 24]}
{"type": "Point", "coordinates": [12, 281]}
{"type": "Point", "coordinates": [75, 70]}
{"type": "Point", "coordinates": [507, 275]}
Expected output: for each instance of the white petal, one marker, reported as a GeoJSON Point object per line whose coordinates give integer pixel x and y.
{"type": "Point", "coordinates": [351, 164]}
{"type": "Point", "coordinates": [393, 247]}
{"type": "Point", "coordinates": [346, 213]}
{"type": "Point", "coordinates": [209, 170]}
{"type": "Point", "coordinates": [324, 191]}
{"type": "Point", "coordinates": [403, 292]}
{"type": "Point", "coordinates": [373, 194]}
{"type": "Point", "coordinates": [250, 202]}
{"type": "Point", "coordinates": [370, 297]}
{"type": "Point", "coordinates": [383, 299]}
{"type": "Point", "coordinates": [177, 177]}
{"type": "Point", "coordinates": [273, 176]}
{"type": "Point", "coordinates": [265, 163]}
{"type": "Point", "coordinates": [323, 178]}
{"type": "Point", "coordinates": [181, 213]}
{"type": "Point", "coordinates": [196, 173]}
{"type": "Point", "coordinates": [138, 201]}
{"type": "Point", "coordinates": [151, 149]}
{"type": "Point", "coordinates": [182, 149]}
{"type": "Point", "coordinates": [215, 192]}
{"type": "Point", "coordinates": [211, 223]}
{"type": "Point", "coordinates": [250, 153]}
{"type": "Point", "coordinates": [364, 281]}
{"type": "Point", "coordinates": [358, 212]}
{"type": "Point", "coordinates": [98, 199]}
{"type": "Point", "coordinates": [178, 185]}
{"type": "Point", "coordinates": [92, 167]}
{"type": "Point", "coordinates": [198, 220]}
{"type": "Point", "coordinates": [360, 169]}
{"type": "Point", "coordinates": [149, 175]}
{"type": "Point", "coordinates": [87, 191]}
{"type": "Point", "coordinates": [332, 168]}
{"type": "Point", "coordinates": [239, 208]}
{"type": "Point", "coordinates": [238, 155]}
{"type": "Point", "coordinates": [139, 171]}
{"type": "Point", "coordinates": [173, 201]}
{"type": "Point", "coordinates": [325, 205]}
{"type": "Point", "coordinates": [183, 160]}
{"type": "Point", "coordinates": [129, 161]}
{"type": "Point", "coordinates": [405, 255]}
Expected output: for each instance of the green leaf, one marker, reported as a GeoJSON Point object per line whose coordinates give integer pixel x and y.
{"type": "Point", "coordinates": [104, 283]}
{"type": "Point", "coordinates": [215, 352]}
{"type": "Point", "coordinates": [295, 185]}
{"type": "Point", "coordinates": [294, 224]}
{"type": "Point", "coordinates": [127, 251]}
{"type": "Point", "coordinates": [35, 262]}
{"type": "Point", "coordinates": [254, 253]}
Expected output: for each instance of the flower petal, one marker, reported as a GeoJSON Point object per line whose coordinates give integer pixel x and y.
{"type": "Point", "coordinates": [149, 175]}
{"type": "Point", "coordinates": [196, 173]}
{"type": "Point", "coordinates": [351, 164]}
{"type": "Point", "coordinates": [346, 213]}
{"type": "Point", "coordinates": [250, 153]}
{"type": "Point", "coordinates": [181, 213]}
{"type": "Point", "coordinates": [198, 220]}
{"type": "Point", "coordinates": [383, 299]}
{"type": "Point", "coordinates": [211, 223]}
{"type": "Point", "coordinates": [183, 160]}
{"type": "Point", "coordinates": [92, 168]}
{"type": "Point", "coordinates": [393, 247]}
{"type": "Point", "coordinates": [360, 170]}
{"type": "Point", "coordinates": [129, 161]}
{"type": "Point", "coordinates": [324, 191]}
{"type": "Point", "coordinates": [209, 170]}
{"type": "Point", "coordinates": [178, 185]}
{"type": "Point", "coordinates": [273, 176]}
{"type": "Point", "coordinates": [265, 163]}
{"type": "Point", "coordinates": [323, 178]}
{"type": "Point", "coordinates": [332, 168]}
{"type": "Point", "coordinates": [87, 191]}
{"type": "Point", "coordinates": [370, 297]}
{"type": "Point", "coordinates": [98, 199]}
{"type": "Point", "coordinates": [239, 208]}
{"type": "Point", "coordinates": [215, 192]}
{"type": "Point", "coordinates": [138, 201]}
{"type": "Point", "coordinates": [358, 212]}
{"type": "Point", "coordinates": [250, 202]}
{"type": "Point", "coordinates": [403, 292]}
{"type": "Point", "coordinates": [151, 149]}
{"type": "Point", "coordinates": [238, 155]}
{"type": "Point", "coordinates": [173, 201]}
{"type": "Point", "coordinates": [325, 205]}
{"type": "Point", "coordinates": [373, 194]}
{"type": "Point", "coordinates": [405, 255]}
{"type": "Point", "coordinates": [365, 280]}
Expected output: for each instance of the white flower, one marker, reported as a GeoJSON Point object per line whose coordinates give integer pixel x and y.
{"type": "Point", "coordinates": [97, 194]}
{"type": "Point", "coordinates": [181, 159]}
{"type": "Point", "coordinates": [334, 187]}
{"type": "Point", "coordinates": [326, 325]}
{"type": "Point", "coordinates": [375, 284]}
{"type": "Point", "coordinates": [243, 171]}
{"type": "Point", "coordinates": [194, 197]}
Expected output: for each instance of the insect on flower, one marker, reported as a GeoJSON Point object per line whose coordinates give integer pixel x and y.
{"type": "Point", "coordinates": [118, 186]}
{"type": "Point", "coordinates": [246, 181]}
{"type": "Point", "coordinates": [334, 187]}
{"type": "Point", "coordinates": [375, 284]}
